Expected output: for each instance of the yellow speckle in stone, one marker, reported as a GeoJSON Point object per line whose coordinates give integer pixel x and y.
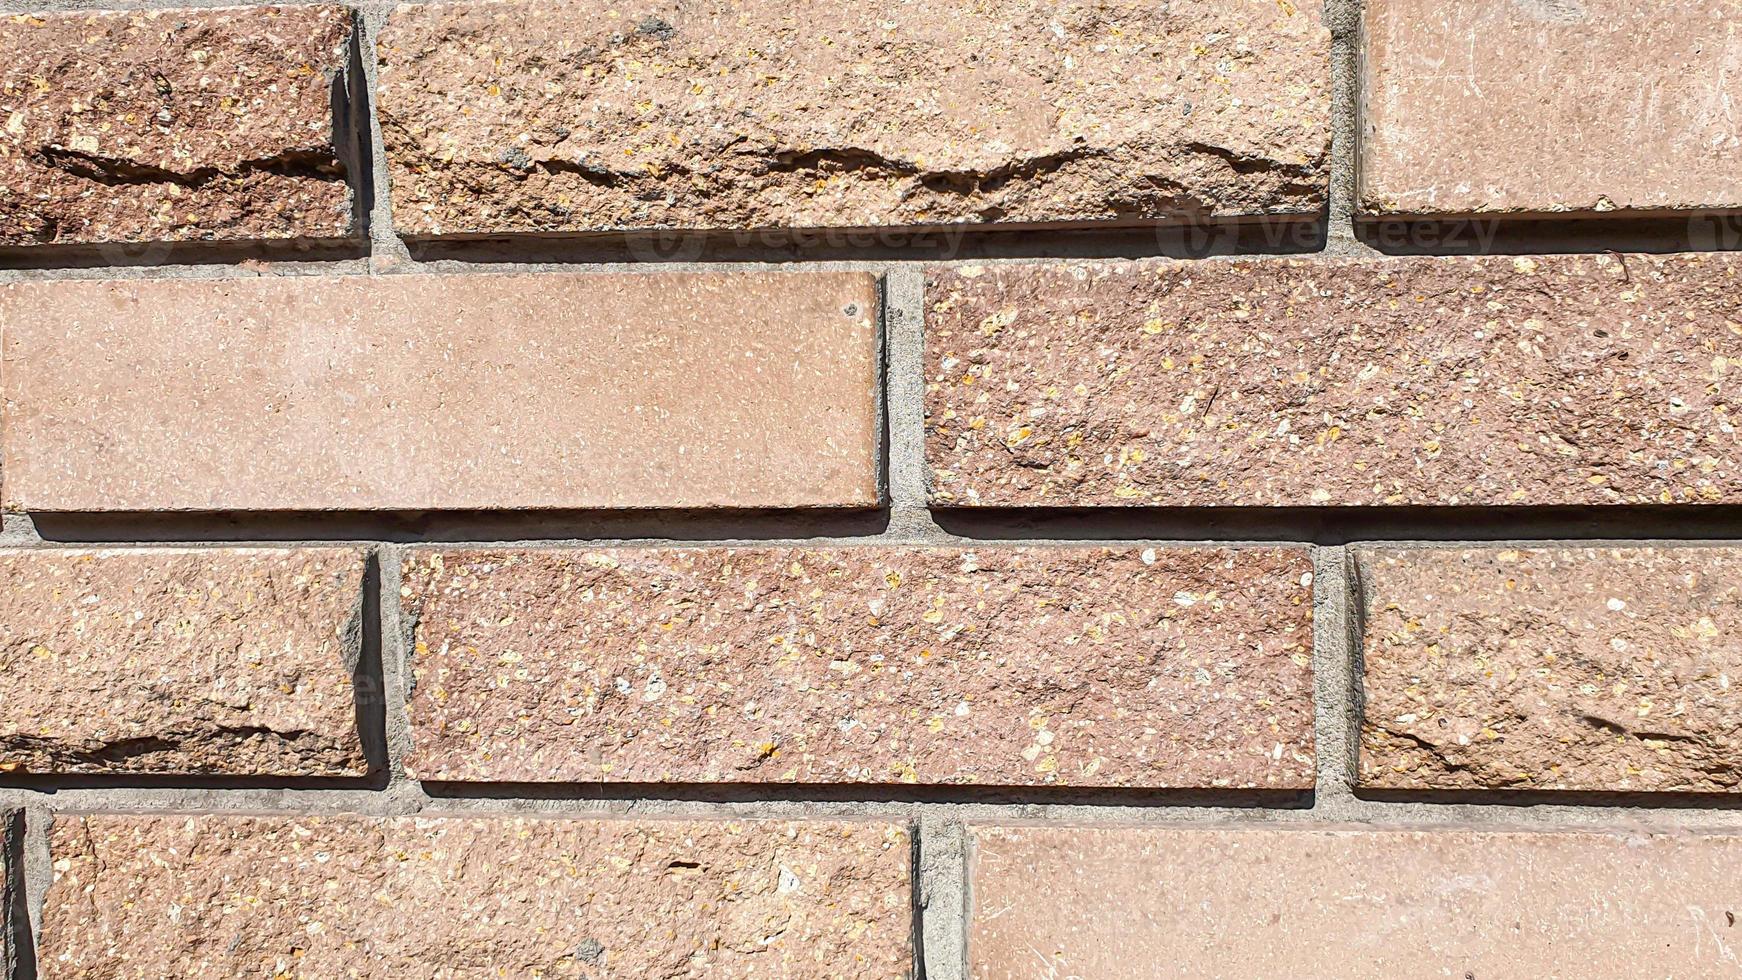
{"type": "Point", "coordinates": [1156, 326]}
{"type": "Point", "coordinates": [1524, 264]}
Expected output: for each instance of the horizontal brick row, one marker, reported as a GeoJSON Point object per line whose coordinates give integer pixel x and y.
{"type": "Point", "coordinates": [172, 661]}
{"type": "Point", "coordinates": [522, 117]}
{"type": "Point", "coordinates": [1502, 381]}
{"type": "Point", "coordinates": [1064, 666]}
{"type": "Point", "coordinates": [219, 896]}
{"type": "Point", "coordinates": [1362, 904]}
{"type": "Point", "coordinates": [1498, 381]}
{"type": "Point", "coordinates": [1550, 107]}
{"type": "Point", "coordinates": [515, 392]}
{"type": "Point", "coordinates": [174, 126]}
{"type": "Point", "coordinates": [1596, 669]}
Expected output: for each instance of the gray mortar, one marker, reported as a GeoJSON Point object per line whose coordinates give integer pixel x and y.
{"type": "Point", "coordinates": [941, 816]}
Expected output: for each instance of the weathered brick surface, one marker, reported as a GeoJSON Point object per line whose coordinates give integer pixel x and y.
{"type": "Point", "coordinates": [167, 896]}
{"type": "Point", "coordinates": [1424, 381]}
{"type": "Point", "coordinates": [1551, 107]}
{"type": "Point", "coordinates": [208, 661]}
{"type": "Point", "coordinates": [1362, 905]}
{"type": "Point", "coordinates": [172, 126]}
{"type": "Point", "coordinates": [442, 392]}
{"type": "Point", "coordinates": [1567, 668]}
{"type": "Point", "coordinates": [587, 115]}
{"type": "Point", "coordinates": [1028, 666]}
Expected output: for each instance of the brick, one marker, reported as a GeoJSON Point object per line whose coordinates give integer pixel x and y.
{"type": "Point", "coordinates": [1551, 380]}
{"type": "Point", "coordinates": [1630, 107]}
{"type": "Point", "coordinates": [540, 116]}
{"type": "Point", "coordinates": [1363, 905]}
{"type": "Point", "coordinates": [214, 896]}
{"type": "Point", "coordinates": [414, 392]}
{"type": "Point", "coordinates": [181, 661]}
{"type": "Point", "coordinates": [173, 126]}
{"type": "Point", "coordinates": [1018, 666]}
{"type": "Point", "coordinates": [1615, 669]}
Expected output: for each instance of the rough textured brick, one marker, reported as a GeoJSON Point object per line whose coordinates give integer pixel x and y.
{"type": "Point", "coordinates": [1027, 666]}
{"type": "Point", "coordinates": [1551, 106]}
{"type": "Point", "coordinates": [1489, 381]}
{"type": "Point", "coordinates": [442, 392]}
{"type": "Point", "coordinates": [233, 661]}
{"type": "Point", "coordinates": [160, 896]}
{"type": "Point", "coordinates": [173, 126]}
{"type": "Point", "coordinates": [1361, 905]}
{"type": "Point", "coordinates": [1567, 668]}
{"type": "Point", "coordinates": [589, 115]}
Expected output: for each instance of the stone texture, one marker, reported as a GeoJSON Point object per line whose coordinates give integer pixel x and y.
{"type": "Point", "coordinates": [589, 115]}
{"type": "Point", "coordinates": [412, 392]}
{"type": "Point", "coordinates": [306, 897]}
{"type": "Point", "coordinates": [1361, 905]}
{"type": "Point", "coordinates": [1022, 666]}
{"type": "Point", "coordinates": [173, 126]}
{"type": "Point", "coordinates": [1551, 107]}
{"type": "Point", "coordinates": [1613, 669]}
{"type": "Point", "coordinates": [1551, 380]}
{"type": "Point", "coordinates": [180, 661]}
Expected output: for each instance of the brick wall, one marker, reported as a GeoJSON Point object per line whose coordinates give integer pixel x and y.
{"type": "Point", "coordinates": [724, 488]}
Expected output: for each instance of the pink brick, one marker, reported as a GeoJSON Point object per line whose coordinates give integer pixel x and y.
{"type": "Point", "coordinates": [1550, 107]}
{"type": "Point", "coordinates": [219, 896]}
{"type": "Point", "coordinates": [173, 126]}
{"type": "Point", "coordinates": [1149, 904]}
{"type": "Point", "coordinates": [1151, 667]}
{"type": "Point", "coordinates": [511, 392]}
{"type": "Point", "coordinates": [181, 661]}
{"type": "Point", "coordinates": [1495, 381]}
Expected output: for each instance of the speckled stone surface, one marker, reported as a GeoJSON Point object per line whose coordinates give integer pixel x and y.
{"type": "Point", "coordinates": [1149, 667]}
{"type": "Point", "coordinates": [172, 126]}
{"type": "Point", "coordinates": [1551, 107]}
{"type": "Point", "coordinates": [1615, 669]}
{"type": "Point", "coordinates": [414, 392]}
{"type": "Point", "coordinates": [1505, 380]}
{"type": "Point", "coordinates": [307, 897]}
{"type": "Point", "coordinates": [208, 661]}
{"type": "Point", "coordinates": [586, 115]}
{"type": "Point", "coordinates": [1151, 904]}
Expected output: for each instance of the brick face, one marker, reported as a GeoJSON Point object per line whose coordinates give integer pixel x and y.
{"type": "Point", "coordinates": [1011, 666]}
{"type": "Point", "coordinates": [1611, 669]}
{"type": "Point", "coordinates": [1549, 107]}
{"type": "Point", "coordinates": [173, 126]}
{"type": "Point", "coordinates": [1502, 381]}
{"type": "Point", "coordinates": [180, 661]}
{"type": "Point", "coordinates": [1366, 905]}
{"type": "Point", "coordinates": [588, 115]}
{"type": "Point", "coordinates": [215, 896]}
{"type": "Point", "coordinates": [517, 392]}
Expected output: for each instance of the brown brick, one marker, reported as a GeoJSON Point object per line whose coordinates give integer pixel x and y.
{"type": "Point", "coordinates": [208, 661]}
{"type": "Point", "coordinates": [173, 126]}
{"type": "Point", "coordinates": [1613, 669]}
{"type": "Point", "coordinates": [212, 896]}
{"type": "Point", "coordinates": [1552, 380]}
{"type": "Point", "coordinates": [1362, 905]}
{"type": "Point", "coordinates": [754, 390]}
{"type": "Point", "coordinates": [1020, 666]}
{"type": "Point", "coordinates": [1551, 106]}
{"type": "Point", "coordinates": [590, 115]}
